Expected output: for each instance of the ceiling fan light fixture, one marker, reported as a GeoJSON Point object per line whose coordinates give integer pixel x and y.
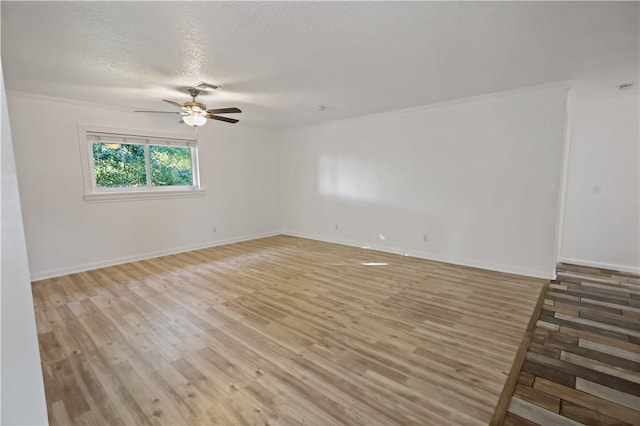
{"type": "Point", "coordinates": [194, 119]}
{"type": "Point", "coordinates": [195, 114]}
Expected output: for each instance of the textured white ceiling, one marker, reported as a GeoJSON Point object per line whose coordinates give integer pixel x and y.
{"type": "Point", "coordinates": [278, 61]}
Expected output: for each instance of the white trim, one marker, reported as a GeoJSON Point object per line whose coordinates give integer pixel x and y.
{"type": "Point", "coordinates": [83, 128]}
{"type": "Point", "coordinates": [93, 194]}
{"type": "Point", "coordinates": [601, 265]}
{"type": "Point", "coordinates": [37, 276]}
{"type": "Point", "coordinates": [547, 275]}
{"type": "Point", "coordinates": [137, 138]}
{"type": "Point", "coordinates": [58, 100]}
{"type": "Point", "coordinates": [443, 104]}
{"type": "Point", "coordinates": [147, 194]}
{"type": "Point", "coordinates": [86, 161]}
{"type": "Point", "coordinates": [564, 178]}
{"type": "Point", "coordinates": [147, 167]}
{"type": "Point", "coordinates": [195, 169]}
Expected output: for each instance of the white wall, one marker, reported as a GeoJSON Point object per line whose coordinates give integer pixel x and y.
{"type": "Point", "coordinates": [238, 167]}
{"type": "Point", "coordinates": [22, 390]}
{"type": "Point", "coordinates": [480, 178]}
{"type": "Point", "coordinates": [602, 212]}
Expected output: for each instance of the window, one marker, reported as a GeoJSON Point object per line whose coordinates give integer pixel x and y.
{"type": "Point", "coordinates": [122, 166]}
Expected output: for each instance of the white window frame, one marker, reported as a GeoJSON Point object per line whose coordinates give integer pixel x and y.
{"type": "Point", "coordinates": [92, 193]}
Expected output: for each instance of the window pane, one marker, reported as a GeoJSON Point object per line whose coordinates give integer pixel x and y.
{"type": "Point", "coordinates": [170, 166]}
{"type": "Point", "coordinates": [119, 165]}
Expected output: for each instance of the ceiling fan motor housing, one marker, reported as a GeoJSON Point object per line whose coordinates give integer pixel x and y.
{"type": "Point", "coordinates": [195, 106]}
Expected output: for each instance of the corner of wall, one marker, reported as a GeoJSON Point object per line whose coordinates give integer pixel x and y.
{"type": "Point", "coordinates": [22, 396]}
{"type": "Point", "coordinates": [562, 192]}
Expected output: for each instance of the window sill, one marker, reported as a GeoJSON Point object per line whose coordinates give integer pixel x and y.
{"type": "Point", "coordinates": [107, 197]}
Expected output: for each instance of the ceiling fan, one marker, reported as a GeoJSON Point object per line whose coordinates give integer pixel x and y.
{"type": "Point", "coordinates": [194, 113]}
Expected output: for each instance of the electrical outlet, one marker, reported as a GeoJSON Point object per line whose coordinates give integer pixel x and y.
{"type": "Point", "coordinates": [425, 238]}
{"type": "Point", "coordinates": [214, 229]}
{"type": "Point", "coordinates": [336, 226]}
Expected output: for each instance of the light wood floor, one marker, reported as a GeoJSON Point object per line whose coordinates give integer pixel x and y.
{"type": "Point", "coordinates": [280, 330]}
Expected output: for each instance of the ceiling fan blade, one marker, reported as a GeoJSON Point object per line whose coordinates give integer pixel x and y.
{"type": "Point", "coordinates": [162, 112]}
{"type": "Point", "coordinates": [228, 120]}
{"type": "Point", "coordinates": [223, 110]}
{"type": "Point", "coordinates": [174, 103]}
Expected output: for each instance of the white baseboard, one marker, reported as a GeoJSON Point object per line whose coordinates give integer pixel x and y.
{"type": "Point", "coordinates": [37, 276]}
{"type": "Point", "coordinates": [601, 265]}
{"type": "Point", "coordinates": [547, 275]}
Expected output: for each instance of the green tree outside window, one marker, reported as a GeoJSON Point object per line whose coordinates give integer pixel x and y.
{"type": "Point", "coordinates": [121, 165]}
{"type": "Point", "coordinates": [170, 166]}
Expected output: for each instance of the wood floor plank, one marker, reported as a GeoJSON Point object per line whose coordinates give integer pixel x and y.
{"type": "Point", "coordinates": [609, 394]}
{"type": "Point", "coordinates": [585, 399]}
{"type": "Point", "coordinates": [611, 350]}
{"type": "Point", "coordinates": [526, 379]}
{"type": "Point", "coordinates": [588, 417]}
{"type": "Point", "coordinates": [557, 376]}
{"type": "Point", "coordinates": [599, 324]}
{"type": "Point", "coordinates": [622, 307]}
{"type": "Point", "coordinates": [541, 399]}
{"type": "Point", "coordinates": [602, 367]}
{"type": "Point", "coordinates": [58, 411]}
{"type": "Point", "coordinates": [610, 361]}
{"type": "Point", "coordinates": [514, 420]}
{"type": "Point", "coordinates": [538, 415]}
